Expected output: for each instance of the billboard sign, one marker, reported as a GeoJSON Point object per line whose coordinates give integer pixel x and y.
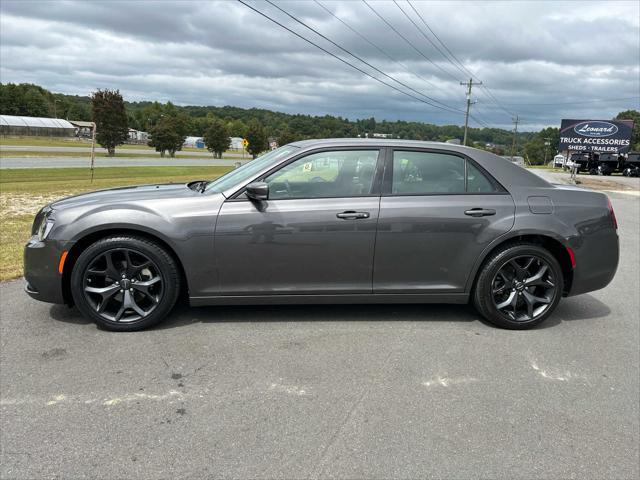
{"type": "Point", "coordinates": [596, 135]}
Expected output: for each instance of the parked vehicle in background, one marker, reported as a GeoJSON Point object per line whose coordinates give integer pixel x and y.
{"type": "Point", "coordinates": [609, 163]}
{"type": "Point", "coordinates": [559, 161]}
{"type": "Point", "coordinates": [631, 165]}
{"type": "Point", "coordinates": [586, 162]}
{"type": "Point", "coordinates": [329, 221]}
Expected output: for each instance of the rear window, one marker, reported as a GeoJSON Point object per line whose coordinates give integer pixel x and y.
{"type": "Point", "coordinates": [429, 173]}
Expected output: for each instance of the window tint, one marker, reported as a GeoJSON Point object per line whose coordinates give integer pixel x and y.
{"type": "Point", "coordinates": [326, 174]}
{"type": "Point", "coordinates": [427, 173]}
{"type": "Point", "coordinates": [477, 182]}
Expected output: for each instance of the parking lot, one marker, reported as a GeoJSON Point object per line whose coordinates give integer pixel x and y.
{"type": "Point", "coordinates": [403, 391]}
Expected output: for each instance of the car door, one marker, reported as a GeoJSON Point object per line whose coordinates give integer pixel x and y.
{"type": "Point", "coordinates": [438, 211]}
{"type": "Point", "coordinates": [314, 235]}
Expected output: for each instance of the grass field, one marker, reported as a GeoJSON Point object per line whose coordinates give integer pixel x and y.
{"type": "Point", "coordinates": [24, 191]}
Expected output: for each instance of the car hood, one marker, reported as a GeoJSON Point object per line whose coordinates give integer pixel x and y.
{"type": "Point", "coordinates": [126, 194]}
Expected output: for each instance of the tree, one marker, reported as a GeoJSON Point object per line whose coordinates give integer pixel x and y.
{"type": "Point", "coordinates": [110, 118]}
{"type": "Point", "coordinates": [237, 128]}
{"type": "Point", "coordinates": [36, 104]}
{"type": "Point", "coordinates": [285, 137]}
{"type": "Point", "coordinates": [635, 116]}
{"type": "Point", "coordinates": [168, 135]}
{"type": "Point", "coordinates": [257, 138]}
{"type": "Point", "coordinates": [216, 138]}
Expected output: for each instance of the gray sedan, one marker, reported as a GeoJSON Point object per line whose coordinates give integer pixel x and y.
{"type": "Point", "coordinates": [329, 221]}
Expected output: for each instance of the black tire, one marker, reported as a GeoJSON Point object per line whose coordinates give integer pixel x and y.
{"type": "Point", "coordinates": [483, 296]}
{"type": "Point", "coordinates": [161, 263]}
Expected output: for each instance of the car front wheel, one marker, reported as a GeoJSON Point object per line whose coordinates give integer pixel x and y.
{"type": "Point", "coordinates": [125, 283]}
{"type": "Point", "coordinates": [519, 286]}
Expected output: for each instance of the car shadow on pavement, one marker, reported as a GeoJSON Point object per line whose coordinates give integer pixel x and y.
{"type": "Point", "coordinates": [184, 315]}
{"type": "Point", "coordinates": [579, 308]}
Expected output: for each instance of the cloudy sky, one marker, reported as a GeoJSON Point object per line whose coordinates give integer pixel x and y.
{"type": "Point", "coordinates": [541, 60]}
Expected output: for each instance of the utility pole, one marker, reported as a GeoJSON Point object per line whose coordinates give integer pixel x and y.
{"type": "Point", "coordinates": [547, 142]}
{"type": "Point", "coordinates": [469, 84]}
{"type": "Point", "coordinates": [515, 136]}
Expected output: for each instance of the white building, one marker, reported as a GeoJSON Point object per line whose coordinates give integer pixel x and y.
{"type": "Point", "coordinates": [138, 136]}
{"type": "Point", "coordinates": [194, 142]}
{"type": "Point", "coordinates": [235, 143]}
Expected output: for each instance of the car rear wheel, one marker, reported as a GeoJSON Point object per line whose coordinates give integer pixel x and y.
{"type": "Point", "coordinates": [519, 286]}
{"type": "Point", "coordinates": [125, 283]}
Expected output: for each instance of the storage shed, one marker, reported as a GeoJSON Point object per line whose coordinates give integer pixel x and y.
{"type": "Point", "coordinates": [35, 126]}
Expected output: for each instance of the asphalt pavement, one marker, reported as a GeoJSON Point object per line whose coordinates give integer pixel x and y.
{"type": "Point", "coordinates": [397, 391]}
{"type": "Point", "coordinates": [7, 149]}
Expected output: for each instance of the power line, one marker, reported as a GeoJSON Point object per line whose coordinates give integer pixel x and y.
{"type": "Point", "coordinates": [484, 88]}
{"type": "Point", "coordinates": [428, 39]}
{"type": "Point", "coordinates": [465, 69]}
{"type": "Point", "coordinates": [476, 118]}
{"type": "Point", "coordinates": [336, 56]}
{"type": "Point", "coordinates": [390, 77]}
{"type": "Point", "coordinates": [407, 40]}
{"type": "Point", "coordinates": [374, 45]}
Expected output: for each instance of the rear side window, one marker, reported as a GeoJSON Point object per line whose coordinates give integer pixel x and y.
{"type": "Point", "coordinates": [429, 173]}
{"type": "Point", "coordinates": [477, 182]}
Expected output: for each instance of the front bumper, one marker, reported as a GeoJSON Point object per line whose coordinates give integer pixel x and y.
{"type": "Point", "coordinates": [41, 260]}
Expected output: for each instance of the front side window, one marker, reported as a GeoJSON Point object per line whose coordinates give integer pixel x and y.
{"type": "Point", "coordinates": [430, 173]}
{"type": "Point", "coordinates": [249, 169]}
{"type": "Point", "coordinates": [347, 173]}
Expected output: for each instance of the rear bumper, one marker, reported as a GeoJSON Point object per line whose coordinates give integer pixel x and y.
{"type": "Point", "coordinates": [41, 261]}
{"type": "Point", "coordinates": [596, 262]}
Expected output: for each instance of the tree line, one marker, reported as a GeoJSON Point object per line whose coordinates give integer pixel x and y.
{"type": "Point", "coordinates": [169, 124]}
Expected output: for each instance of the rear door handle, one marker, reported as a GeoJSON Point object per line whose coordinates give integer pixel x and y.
{"type": "Point", "coordinates": [480, 212]}
{"type": "Point", "coordinates": [351, 215]}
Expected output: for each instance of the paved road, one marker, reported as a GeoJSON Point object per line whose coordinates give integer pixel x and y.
{"type": "Point", "coordinates": [74, 162]}
{"type": "Point", "coordinates": [609, 181]}
{"type": "Point", "coordinates": [319, 392]}
{"type": "Point", "coordinates": [7, 149]}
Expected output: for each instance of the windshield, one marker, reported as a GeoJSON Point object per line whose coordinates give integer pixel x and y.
{"type": "Point", "coordinates": [249, 169]}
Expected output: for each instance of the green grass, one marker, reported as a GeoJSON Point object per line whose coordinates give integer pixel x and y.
{"type": "Point", "coordinates": [24, 191]}
{"type": "Point", "coordinates": [45, 142]}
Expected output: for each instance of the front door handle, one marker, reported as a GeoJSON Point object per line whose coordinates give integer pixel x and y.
{"type": "Point", "coordinates": [351, 215]}
{"type": "Point", "coordinates": [480, 212]}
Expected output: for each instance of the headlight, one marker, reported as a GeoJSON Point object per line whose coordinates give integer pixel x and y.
{"type": "Point", "coordinates": [46, 224]}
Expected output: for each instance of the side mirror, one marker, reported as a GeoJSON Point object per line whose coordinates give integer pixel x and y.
{"type": "Point", "coordinates": [258, 191]}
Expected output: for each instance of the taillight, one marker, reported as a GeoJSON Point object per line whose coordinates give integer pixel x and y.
{"type": "Point", "coordinates": [613, 214]}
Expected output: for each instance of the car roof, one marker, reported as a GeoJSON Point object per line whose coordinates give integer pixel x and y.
{"type": "Point", "coordinates": [377, 142]}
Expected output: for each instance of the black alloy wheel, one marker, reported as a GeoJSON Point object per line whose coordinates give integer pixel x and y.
{"type": "Point", "coordinates": [523, 288]}
{"type": "Point", "coordinates": [518, 286]}
{"type": "Point", "coordinates": [125, 283]}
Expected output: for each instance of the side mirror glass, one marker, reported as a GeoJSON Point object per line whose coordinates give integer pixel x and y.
{"type": "Point", "coordinates": [258, 191]}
